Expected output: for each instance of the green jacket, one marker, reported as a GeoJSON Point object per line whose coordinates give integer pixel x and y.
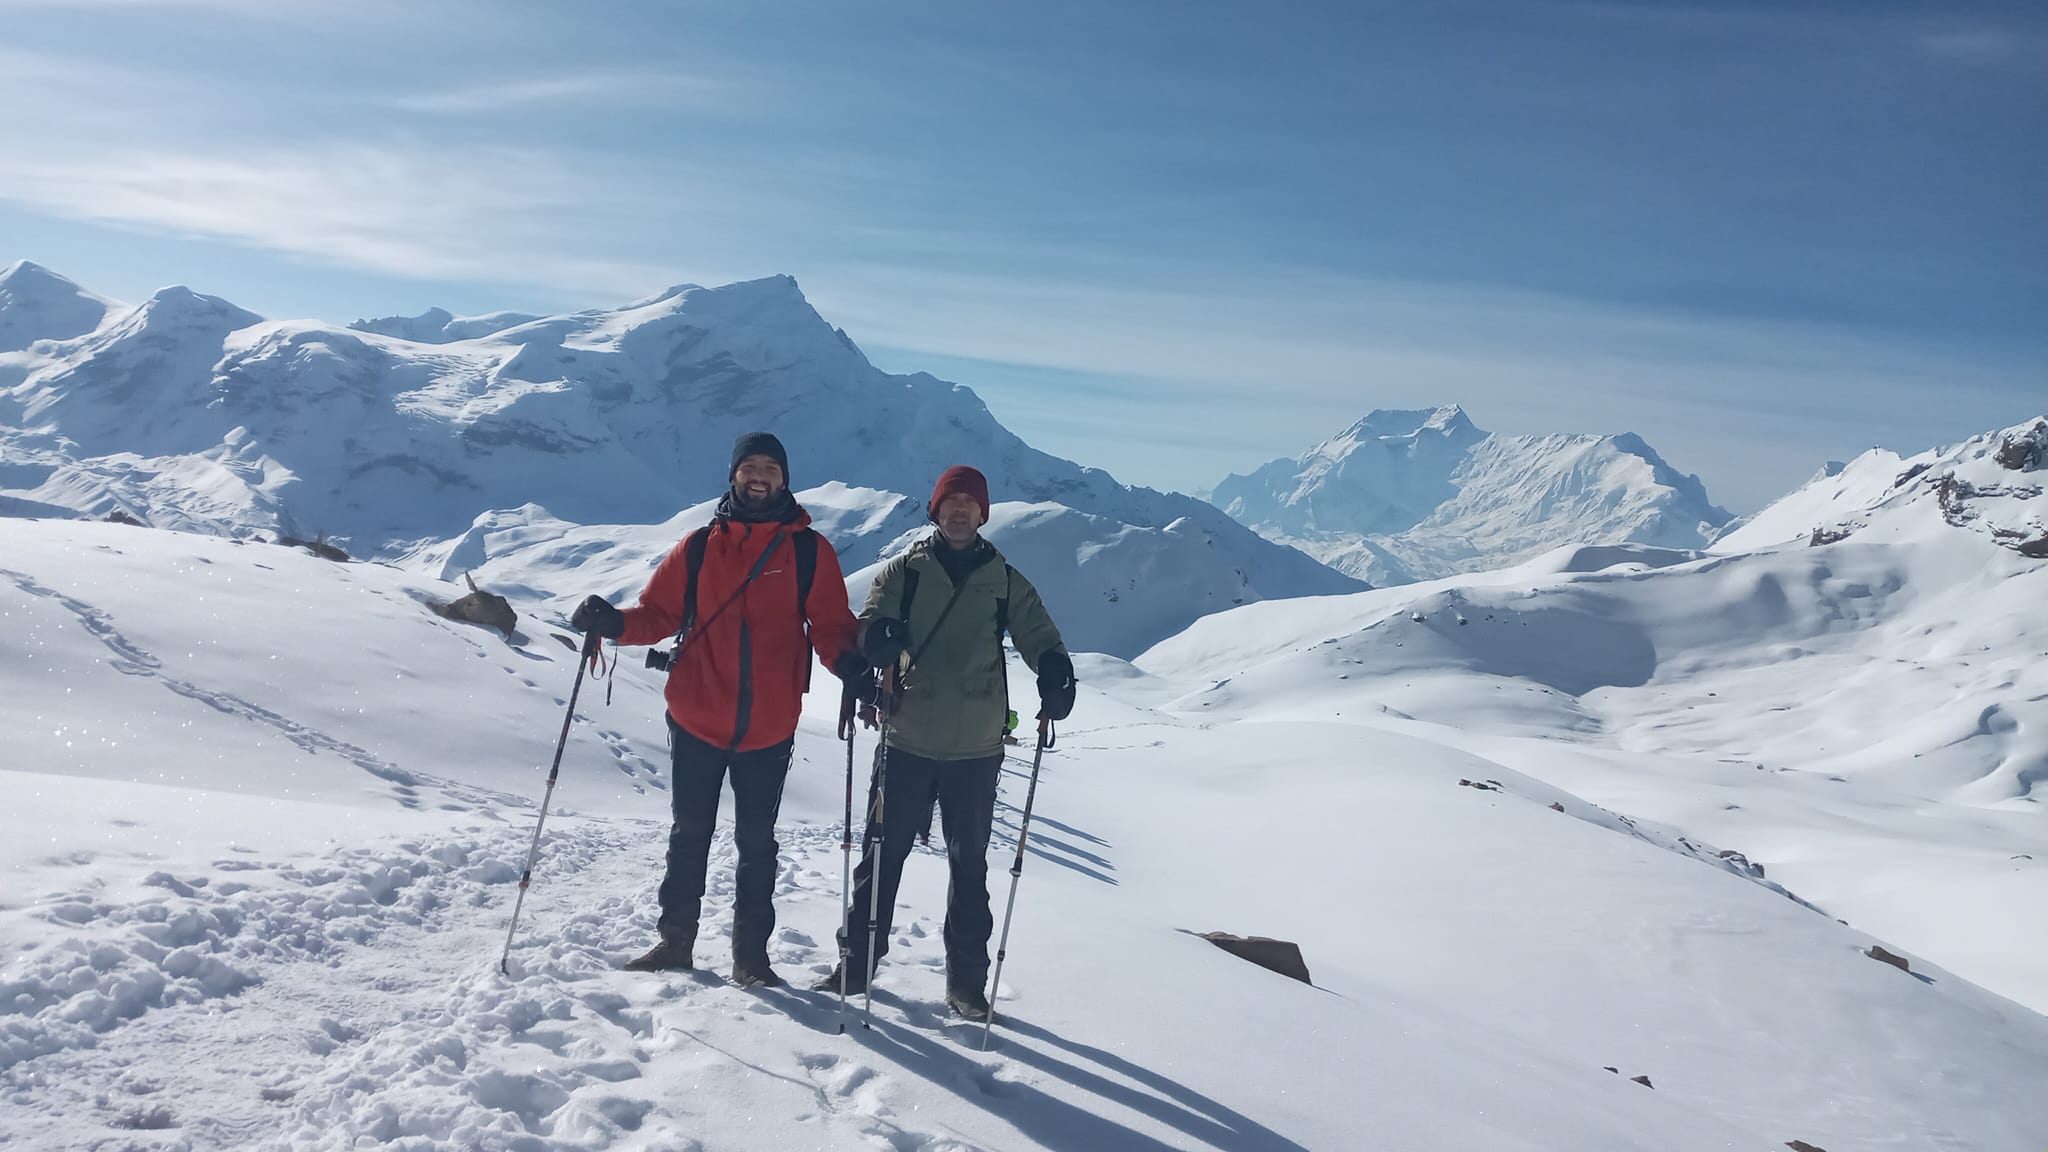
{"type": "Point", "coordinates": [955, 696]}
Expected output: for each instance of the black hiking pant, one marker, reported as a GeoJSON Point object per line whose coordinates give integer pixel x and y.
{"type": "Point", "coordinates": [699, 771]}
{"type": "Point", "coordinates": [966, 795]}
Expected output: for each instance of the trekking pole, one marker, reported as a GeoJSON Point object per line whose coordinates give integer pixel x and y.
{"type": "Point", "coordinates": [878, 844]}
{"type": "Point", "coordinates": [847, 700]}
{"type": "Point", "coordinates": [592, 644]}
{"type": "Point", "coordinates": [1045, 739]}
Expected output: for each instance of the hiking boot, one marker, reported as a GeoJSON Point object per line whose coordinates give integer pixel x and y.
{"type": "Point", "coordinates": [968, 1003]}
{"type": "Point", "coordinates": [671, 955]}
{"type": "Point", "coordinates": [856, 983]}
{"type": "Point", "coordinates": [756, 973]}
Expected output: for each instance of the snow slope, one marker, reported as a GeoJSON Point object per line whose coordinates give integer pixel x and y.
{"type": "Point", "coordinates": [398, 437]}
{"type": "Point", "coordinates": [1867, 720]}
{"type": "Point", "coordinates": [1414, 495]}
{"type": "Point", "coordinates": [279, 807]}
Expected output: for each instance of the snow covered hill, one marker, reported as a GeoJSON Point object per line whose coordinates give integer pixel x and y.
{"type": "Point", "coordinates": [1414, 495]}
{"type": "Point", "coordinates": [394, 437]}
{"type": "Point", "coordinates": [1865, 719]}
{"type": "Point", "coordinates": [1990, 484]}
{"type": "Point", "coordinates": [279, 810]}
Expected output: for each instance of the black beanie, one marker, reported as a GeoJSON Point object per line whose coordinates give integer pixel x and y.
{"type": "Point", "coordinates": [758, 444]}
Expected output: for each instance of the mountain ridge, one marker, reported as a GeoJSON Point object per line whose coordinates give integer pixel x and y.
{"type": "Point", "coordinates": [188, 411]}
{"type": "Point", "coordinates": [1415, 494]}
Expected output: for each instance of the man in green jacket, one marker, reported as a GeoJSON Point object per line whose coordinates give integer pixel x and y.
{"type": "Point", "coordinates": [937, 615]}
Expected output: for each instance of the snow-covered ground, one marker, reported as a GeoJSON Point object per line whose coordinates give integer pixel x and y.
{"type": "Point", "coordinates": [266, 813]}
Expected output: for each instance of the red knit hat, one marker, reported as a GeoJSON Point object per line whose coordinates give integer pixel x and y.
{"type": "Point", "coordinates": [959, 478]}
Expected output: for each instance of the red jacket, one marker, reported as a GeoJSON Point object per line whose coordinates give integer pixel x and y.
{"type": "Point", "coordinates": [738, 681]}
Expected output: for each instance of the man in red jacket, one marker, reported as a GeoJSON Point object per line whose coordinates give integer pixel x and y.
{"type": "Point", "coordinates": [745, 626]}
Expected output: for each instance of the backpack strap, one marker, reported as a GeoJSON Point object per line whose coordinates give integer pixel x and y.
{"type": "Point", "coordinates": [1002, 628]}
{"type": "Point", "coordinates": [693, 563]}
{"type": "Point", "coordinates": [909, 593]}
{"type": "Point", "coordinates": [693, 566]}
{"type": "Point", "coordinates": [1003, 606]}
{"type": "Point", "coordinates": [805, 542]}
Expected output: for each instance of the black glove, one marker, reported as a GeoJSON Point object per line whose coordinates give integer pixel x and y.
{"type": "Point", "coordinates": [596, 614]}
{"type": "Point", "coordinates": [884, 641]}
{"type": "Point", "coordinates": [858, 678]}
{"type": "Point", "coordinates": [1055, 685]}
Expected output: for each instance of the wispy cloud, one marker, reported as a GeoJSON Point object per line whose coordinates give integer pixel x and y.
{"type": "Point", "coordinates": [1264, 356]}
{"type": "Point", "coordinates": [268, 10]}
{"type": "Point", "coordinates": [564, 162]}
{"type": "Point", "coordinates": [1986, 46]}
{"type": "Point", "coordinates": [57, 80]}
{"type": "Point", "coordinates": [487, 213]}
{"type": "Point", "coordinates": [625, 88]}
{"type": "Point", "coordinates": [1276, 359]}
{"type": "Point", "coordinates": [142, 148]}
{"type": "Point", "coordinates": [1305, 328]}
{"type": "Point", "coordinates": [253, 6]}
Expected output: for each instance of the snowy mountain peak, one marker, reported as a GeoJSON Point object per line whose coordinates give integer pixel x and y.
{"type": "Point", "coordinates": [38, 304]}
{"type": "Point", "coordinates": [773, 299]}
{"type": "Point", "coordinates": [1447, 421]}
{"type": "Point", "coordinates": [27, 275]}
{"type": "Point", "coordinates": [1663, 475]}
{"type": "Point", "coordinates": [780, 287]}
{"type": "Point", "coordinates": [180, 307]}
{"type": "Point", "coordinates": [436, 326]}
{"type": "Point", "coordinates": [1415, 494]}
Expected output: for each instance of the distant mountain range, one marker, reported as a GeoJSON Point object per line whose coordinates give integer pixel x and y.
{"type": "Point", "coordinates": [395, 435]}
{"type": "Point", "coordinates": [1402, 496]}
{"type": "Point", "coordinates": [504, 438]}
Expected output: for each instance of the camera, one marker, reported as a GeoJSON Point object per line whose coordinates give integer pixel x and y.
{"type": "Point", "coordinates": [659, 659]}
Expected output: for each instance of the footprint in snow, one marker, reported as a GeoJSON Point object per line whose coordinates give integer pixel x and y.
{"type": "Point", "coordinates": [837, 1074]}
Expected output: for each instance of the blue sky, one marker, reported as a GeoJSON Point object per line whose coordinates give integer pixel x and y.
{"type": "Point", "coordinates": [1172, 240]}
